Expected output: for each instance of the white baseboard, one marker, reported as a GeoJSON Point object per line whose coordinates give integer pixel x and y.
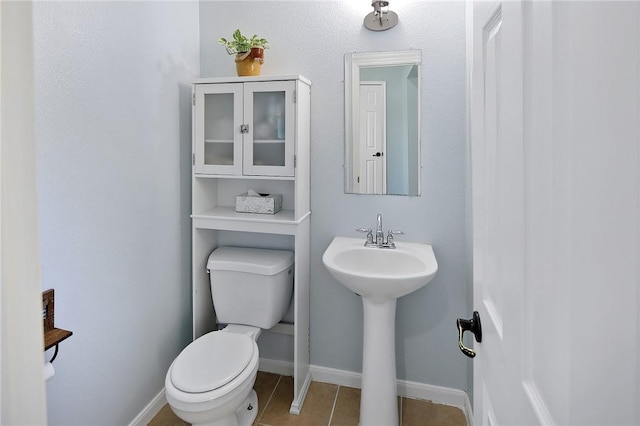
{"type": "Point", "coordinates": [468, 411]}
{"type": "Point", "coordinates": [276, 366]}
{"type": "Point", "coordinates": [149, 412]}
{"type": "Point", "coordinates": [335, 376]}
{"type": "Point", "coordinates": [437, 394]}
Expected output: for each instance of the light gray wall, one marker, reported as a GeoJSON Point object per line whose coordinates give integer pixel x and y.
{"type": "Point", "coordinates": [310, 38]}
{"type": "Point", "coordinates": [113, 138]}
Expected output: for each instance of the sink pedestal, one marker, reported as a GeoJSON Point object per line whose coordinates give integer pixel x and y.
{"type": "Point", "coordinates": [379, 401]}
{"type": "Point", "coordinates": [380, 276]}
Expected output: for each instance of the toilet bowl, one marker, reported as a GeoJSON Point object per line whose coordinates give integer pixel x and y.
{"type": "Point", "coordinates": [211, 381]}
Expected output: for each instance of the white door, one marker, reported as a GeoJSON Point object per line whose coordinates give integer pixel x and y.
{"type": "Point", "coordinates": [555, 158]}
{"type": "Point", "coordinates": [499, 213]}
{"type": "Point", "coordinates": [372, 169]}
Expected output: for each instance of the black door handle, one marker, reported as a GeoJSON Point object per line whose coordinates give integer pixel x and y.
{"type": "Point", "coordinates": [473, 325]}
{"type": "Point", "coordinates": [378, 154]}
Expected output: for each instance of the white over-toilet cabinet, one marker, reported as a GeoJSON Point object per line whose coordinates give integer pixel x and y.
{"type": "Point", "coordinates": [253, 133]}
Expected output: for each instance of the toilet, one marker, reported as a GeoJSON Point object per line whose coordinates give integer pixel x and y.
{"type": "Point", "coordinates": [211, 380]}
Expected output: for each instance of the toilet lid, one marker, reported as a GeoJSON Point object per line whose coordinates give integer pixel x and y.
{"type": "Point", "coordinates": [211, 361]}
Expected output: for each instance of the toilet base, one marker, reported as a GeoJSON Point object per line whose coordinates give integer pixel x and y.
{"type": "Point", "coordinates": [248, 410]}
{"type": "Point", "coordinates": [243, 416]}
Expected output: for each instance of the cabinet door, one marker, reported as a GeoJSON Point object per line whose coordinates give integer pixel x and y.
{"type": "Point", "coordinates": [218, 137]}
{"type": "Point", "coordinates": [269, 143]}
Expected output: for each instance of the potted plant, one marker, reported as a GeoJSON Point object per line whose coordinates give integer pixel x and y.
{"type": "Point", "coordinates": [249, 52]}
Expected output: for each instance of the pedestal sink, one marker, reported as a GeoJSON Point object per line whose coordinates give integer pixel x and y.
{"type": "Point", "coordinates": [380, 276]}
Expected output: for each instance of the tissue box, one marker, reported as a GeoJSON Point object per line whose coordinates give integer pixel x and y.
{"type": "Point", "coordinates": [262, 203]}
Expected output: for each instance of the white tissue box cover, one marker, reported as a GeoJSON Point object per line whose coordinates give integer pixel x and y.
{"type": "Point", "coordinates": [266, 204]}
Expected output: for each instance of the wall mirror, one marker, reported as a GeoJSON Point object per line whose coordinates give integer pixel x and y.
{"type": "Point", "coordinates": [382, 122]}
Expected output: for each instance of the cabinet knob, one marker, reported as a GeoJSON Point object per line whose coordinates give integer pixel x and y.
{"type": "Point", "coordinates": [244, 128]}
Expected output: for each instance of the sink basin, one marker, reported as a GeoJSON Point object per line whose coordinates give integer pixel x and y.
{"type": "Point", "coordinates": [380, 274]}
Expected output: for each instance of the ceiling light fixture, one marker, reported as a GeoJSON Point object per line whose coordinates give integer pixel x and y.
{"type": "Point", "coordinates": [381, 18]}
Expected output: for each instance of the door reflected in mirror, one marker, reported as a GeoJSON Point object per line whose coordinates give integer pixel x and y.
{"type": "Point", "coordinates": [382, 123]}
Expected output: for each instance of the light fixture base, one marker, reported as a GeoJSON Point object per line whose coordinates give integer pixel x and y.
{"type": "Point", "coordinates": [380, 22]}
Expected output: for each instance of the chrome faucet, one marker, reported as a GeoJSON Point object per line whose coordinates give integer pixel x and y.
{"type": "Point", "coordinates": [379, 241]}
{"type": "Point", "coordinates": [379, 233]}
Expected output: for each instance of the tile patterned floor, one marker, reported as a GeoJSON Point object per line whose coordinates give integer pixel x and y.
{"type": "Point", "coordinates": [326, 405]}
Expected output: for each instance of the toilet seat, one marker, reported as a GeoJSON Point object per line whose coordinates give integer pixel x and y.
{"type": "Point", "coordinates": [212, 361]}
{"type": "Point", "coordinates": [214, 399]}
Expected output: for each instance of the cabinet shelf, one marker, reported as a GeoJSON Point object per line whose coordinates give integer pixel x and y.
{"type": "Point", "coordinates": [218, 140]}
{"type": "Point", "coordinates": [240, 177]}
{"type": "Point", "coordinates": [226, 218]}
{"type": "Point", "coordinates": [257, 141]}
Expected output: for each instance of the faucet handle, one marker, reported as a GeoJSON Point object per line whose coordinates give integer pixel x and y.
{"type": "Point", "coordinates": [390, 235]}
{"type": "Point", "coordinates": [369, 233]}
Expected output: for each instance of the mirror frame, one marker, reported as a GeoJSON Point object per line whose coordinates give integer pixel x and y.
{"type": "Point", "coordinates": [353, 62]}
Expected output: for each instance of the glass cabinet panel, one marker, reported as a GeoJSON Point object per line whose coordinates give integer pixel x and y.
{"type": "Point", "coordinates": [218, 129]}
{"type": "Point", "coordinates": [269, 107]}
{"type": "Point", "coordinates": [218, 115]}
{"type": "Point", "coordinates": [269, 122]}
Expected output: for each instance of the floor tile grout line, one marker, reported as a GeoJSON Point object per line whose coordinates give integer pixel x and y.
{"type": "Point", "coordinates": [415, 410]}
{"type": "Point", "coordinates": [333, 408]}
{"type": "Point", "coordinates": [273, 391]}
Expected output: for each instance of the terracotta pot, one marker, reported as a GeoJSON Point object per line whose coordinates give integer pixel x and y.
{"type": "Point", "coordinates": [250, 63]}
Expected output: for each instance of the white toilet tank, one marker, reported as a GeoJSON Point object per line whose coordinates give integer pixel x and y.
{"type": "Point", "coordinates": [250, 286]}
